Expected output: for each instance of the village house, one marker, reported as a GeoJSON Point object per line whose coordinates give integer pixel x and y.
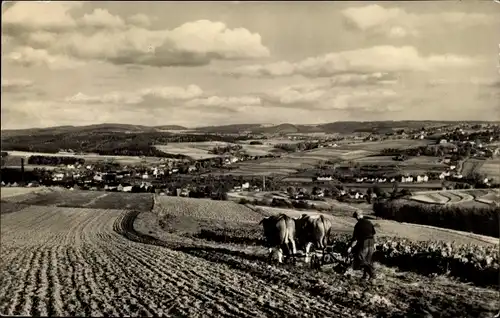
{"type": "Point", "coordinates": [324, 178]}
{"type": "Point", "coordinates": [58, 176]}
{"type": "Point", "coordinates": [422, 178]}
{"type": "Point", "coordinates": [444, 174]}
{"type": "Point", "coordinates": [406, 179]}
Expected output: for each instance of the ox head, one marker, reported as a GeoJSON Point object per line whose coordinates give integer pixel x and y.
{"type": "Point", "coordinates": [264, 220]}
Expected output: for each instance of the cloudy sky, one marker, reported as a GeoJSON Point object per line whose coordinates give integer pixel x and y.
{"type": "Point", "coordinates": [210, 63]}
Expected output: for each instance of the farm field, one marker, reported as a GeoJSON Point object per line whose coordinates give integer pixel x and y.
{"type": "Point", "coordinates": [377, 146]}
{"type": "Point", "coordinates": [414, 186]}
{"type": "Point", "coordinates": [491, 169]}
{"type": "Point", "coordinates": [6, 192]}
{"type": "Point", "coordinates": [413, 166]}
{"type": "Point", "coordinates": [14, 158]}
{"type": "Point", "coordinates": [471, 166]}
{"type": "Point", "coordinates": [120, 261]}
{"type": "Point", "coordinates": [57, 197]}
{"type": "Point", "coordinates": [290, 163]}
{"type": "Point", "coordinates": [195, 150]}
{"type": "Point", "coordinates": [199, 150]}
{"type": "Point", "coordinates": [328, 153]}
{"type": "Point", "coordinates": [479, 197]}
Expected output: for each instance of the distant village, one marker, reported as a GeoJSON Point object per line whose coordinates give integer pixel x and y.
{"type": "Point", "coordinates": [183, 177]}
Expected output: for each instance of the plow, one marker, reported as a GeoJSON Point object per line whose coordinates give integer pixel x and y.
{"type": "Point", "coordinates": [328, 257]}
{"type": "Point", "coordinates": [341, 263]}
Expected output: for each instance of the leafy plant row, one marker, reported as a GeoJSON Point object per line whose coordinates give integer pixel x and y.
{"type": "Point", "coordinates": [471, 263]}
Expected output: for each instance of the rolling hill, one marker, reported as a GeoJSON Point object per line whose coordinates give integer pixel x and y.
{"type": "Point", "coordinates": [284, 128]}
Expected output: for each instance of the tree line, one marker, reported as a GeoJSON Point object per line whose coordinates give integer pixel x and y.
{"type": "Point", "coordinates": [54, 160]}
{"type": "Point", "coordinates": [479, 220]}
{"type": "Point", "coordinates": [116, 143]}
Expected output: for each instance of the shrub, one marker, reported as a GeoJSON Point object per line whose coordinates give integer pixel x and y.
{"type": "Point", "coordinates": [244, 201]}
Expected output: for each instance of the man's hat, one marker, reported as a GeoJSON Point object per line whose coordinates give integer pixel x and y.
{"type": "Point", "coordinates": [357, 215]}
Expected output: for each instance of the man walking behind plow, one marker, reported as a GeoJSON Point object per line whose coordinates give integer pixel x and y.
{"type": "Point", "coordinates": [364, 236]}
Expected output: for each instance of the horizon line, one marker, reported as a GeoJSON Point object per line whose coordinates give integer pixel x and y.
{"type": "Point", "coordinates": [270, 125]}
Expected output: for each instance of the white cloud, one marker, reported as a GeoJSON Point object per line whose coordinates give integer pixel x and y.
{"type": "Point", "coordinates": [330, 97]}
{"type": "Point", "coordinates": [26, 16]}
{"type": "Point", "coordinates": [103, 36]}
{"type": "Point", "coordinates": [100, 18]}
{"type": "Point", "coordinates": [28, 56]}
{"type": "Point", "coordinates": [235, 103]}
{"type": "Point", "coordinates": [298, 94]}
{"type": "Point", "coordinates": [398, 23]}
{"type": "Point", "coordinates": [367, 60]}
{"type": "Point", "coordinates": [480, 81]}
{"type": "Point", "coordinates": [9, 85]}
{"type": "Point", "coordinates": [139, 96]}
{"type": "Point", "coordinates": [140, 20]}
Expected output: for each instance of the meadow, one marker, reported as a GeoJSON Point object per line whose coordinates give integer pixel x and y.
{"type": "Point", "coordinates": [491, 169]}
{"type": "Point", "coordinates": [102, 254]}
{"type": "Point", "coordinates": [14, 158]}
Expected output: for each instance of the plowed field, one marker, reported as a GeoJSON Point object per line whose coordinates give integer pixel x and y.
{"type": "Point", "coordinates": [86, 261]}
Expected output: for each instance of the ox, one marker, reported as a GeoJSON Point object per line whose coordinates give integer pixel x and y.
{"type": "Point", "coordinates": [313, 230]}
{"type": "Point", "coordinates": [279, 231]}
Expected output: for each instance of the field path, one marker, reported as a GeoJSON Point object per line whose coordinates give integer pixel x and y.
{"type": "Point", "coordinates": [70, 261]}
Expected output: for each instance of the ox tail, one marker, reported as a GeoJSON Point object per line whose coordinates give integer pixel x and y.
{"type": "Point", "coordinates": [327, 226]}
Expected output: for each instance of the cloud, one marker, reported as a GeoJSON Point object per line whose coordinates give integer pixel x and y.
{"type": "Point", "coordinates": [26, 16]}
{"type": "Point", "coordinates": [100, 18]}
{"type": "Point", "coordinates": [398, 23]}
{"type": "Point", "coordinates": [367, 60]}
{"type": "Point", "coordinates": [102, 36]}
{"type": "Point", "coordinates": [330, 97]}
{"type": "Point", "coordinates": [15, 85]}
{"type": "Point", "coordinates": [140, 20]}
{"type": "Point", "coordinates": [28, 56]}
{"type": "Point", "coordinates": [479, 81]}
{"type": "Point", "coordinates": [158, 93]}
{"type": "Point", "coordinates": [297, 95]}
{"type": "Point", "coordinates": [234, 104]}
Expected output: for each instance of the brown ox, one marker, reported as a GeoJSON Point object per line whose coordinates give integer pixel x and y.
{"type": "Point", "coordinates": [313, 230]}
{"type": "Point", "coordinates": [279, 232]}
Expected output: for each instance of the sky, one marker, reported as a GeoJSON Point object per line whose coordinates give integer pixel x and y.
{"type": "Point", "coordinates": [215, 63]}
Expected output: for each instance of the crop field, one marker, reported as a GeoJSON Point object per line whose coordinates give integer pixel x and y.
{"type": "Point", "coordinates": [491, 169]}
{"type": "Point", "coordinates": [377, 146]}
{"type": "Point", "coordinates": [6, 192]}
{"type": "Point", "coordinates": [328, 153]}
{"type": "Point", "coordinates": [421, 163]}
{"type": "Point", "coordinates": [478, 196]}
{"type": "Point", "coordinates": [471, 166]}
{"type": "Point", "coordinates": [81, 199]}
{"type": "Point", "coordinates": [199, 150]}
{"type": "Point", "coordinates": [195, 150]}
{"type": "Point", "coordinates": [14, 158]}
{"type": "Point", "coordinates": [194, 257]}
{"type": "Point", "coordinates": [290, 163]}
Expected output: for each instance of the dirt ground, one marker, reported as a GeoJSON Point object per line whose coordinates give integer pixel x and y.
{"type": "Point", "coordinates": [90, 261]}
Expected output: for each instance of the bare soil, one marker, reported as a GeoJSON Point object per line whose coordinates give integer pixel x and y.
{"type": "Point", "coordinates": [85, 261]}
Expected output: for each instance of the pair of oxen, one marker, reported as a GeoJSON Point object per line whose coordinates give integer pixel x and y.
{"type": "Point", "coordinates": [283, 232]}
